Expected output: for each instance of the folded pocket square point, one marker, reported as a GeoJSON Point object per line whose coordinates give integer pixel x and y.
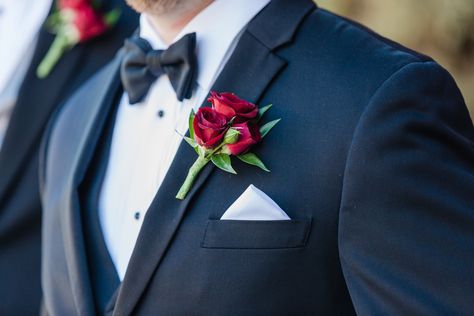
{"type": "Point", "coordinates": [254, 205]}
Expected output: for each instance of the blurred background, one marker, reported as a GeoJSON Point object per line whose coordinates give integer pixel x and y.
{"type": "Point", "coordinates": [442, 29]}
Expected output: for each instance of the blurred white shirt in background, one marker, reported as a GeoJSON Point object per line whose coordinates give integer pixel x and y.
{"type": "Point", "coordinates": [20, 22]}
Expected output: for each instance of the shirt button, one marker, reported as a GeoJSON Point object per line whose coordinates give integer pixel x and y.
{"type": "Point", "coordinates": [137, 215]}
{"type": "Point", "coordinates": [161, 113]}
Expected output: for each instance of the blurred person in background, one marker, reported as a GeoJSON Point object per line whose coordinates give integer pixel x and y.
{"type": "Point", "coordinates": [368, 208]}
{"type": "Point", "coordinates": [443, 29]}
{"type": "Point", "coordinates": [29, 94]}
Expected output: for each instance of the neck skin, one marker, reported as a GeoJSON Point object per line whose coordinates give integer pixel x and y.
{"type": "Point", "coordinates": [168, 24]}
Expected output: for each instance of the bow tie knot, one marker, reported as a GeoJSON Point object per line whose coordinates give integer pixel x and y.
{"type": "Point", "coordinates": [141, 66]}
{"type": "Point", "coordinates": [153, 61]}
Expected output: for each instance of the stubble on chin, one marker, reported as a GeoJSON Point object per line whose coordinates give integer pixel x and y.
{"type": "Point", "coordinates": [155, 7]}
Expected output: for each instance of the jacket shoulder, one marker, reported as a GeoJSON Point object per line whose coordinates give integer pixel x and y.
{"type": "Point", "coordinates": [327, 29]}
{"type": "Point", "coordinates": [344, 62]}
{"type": "Point", "coordinates": [326, 39]}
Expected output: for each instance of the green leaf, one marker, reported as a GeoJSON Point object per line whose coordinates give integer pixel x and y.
{"type": "Point", "coordinates": [190, 141]}
{"type": "Point", "coordinates": [231, 136]}
{"type": "Point", "coordinates": [262, 111]}
{"type": "Point", "coordinates": [267, 127]}
{"type": "Point", "coordinates": [252, 159]}
{"type": "Point", "coordinates": [96, 4]}
{"type": "Point", "coordinates": [191, 126]}
{"type": "Point", "coordinates": [223, 162]}
{"type": "Point", "coordinates": [111, 18]}
{"type": "Point", "coordinates": [53, 21]}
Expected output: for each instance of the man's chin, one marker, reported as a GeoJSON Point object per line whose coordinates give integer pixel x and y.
{"type": "Point", "coordinates": [153, 6]}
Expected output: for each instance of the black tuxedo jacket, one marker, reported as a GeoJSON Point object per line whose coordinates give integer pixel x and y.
{"type": "Point", "coordinates": [20, 207]}
{"type": "Point", "coordinates": [373, 160]}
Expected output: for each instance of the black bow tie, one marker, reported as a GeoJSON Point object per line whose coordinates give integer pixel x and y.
{"type": "Point", "coordinates": [142, 65]}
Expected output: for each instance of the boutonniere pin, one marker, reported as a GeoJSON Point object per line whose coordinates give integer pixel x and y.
{"type": "Point", "coordinates": [229, 128]}
{"type": "Point", "coordinates": [74, 22]}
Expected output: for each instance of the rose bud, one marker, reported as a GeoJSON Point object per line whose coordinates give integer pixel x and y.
{"type": "Point", "coordinates": [249, 136]}
{"type": "Point", "coordinates": [72, 4]}
{"type": "Point", "coordinates": [88, 23]}
{"type": "Point", "coordinates": [231, 136]}
{"type": "Point", "coordinates": [209, 127]}
{"type": "Point", "coordinates": [232, 106]}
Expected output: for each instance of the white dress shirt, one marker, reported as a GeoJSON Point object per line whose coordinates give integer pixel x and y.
{"type": "Point", "coordinates": [20, 21]}
{"type": "Point", "coordinates": [145, 137]}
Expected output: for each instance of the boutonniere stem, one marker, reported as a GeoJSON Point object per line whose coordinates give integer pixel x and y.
{"type": "Point", "coordinates": [195, 169]}
{"type": "Point", "coordinates": [57, 49]}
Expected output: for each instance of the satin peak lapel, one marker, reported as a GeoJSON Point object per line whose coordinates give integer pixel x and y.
{"type": "Point", "coordinates": [96, 114]}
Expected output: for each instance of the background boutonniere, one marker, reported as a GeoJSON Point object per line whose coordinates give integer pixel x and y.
{"type": "Point", "coordinates": [74, 22]}
{"type": "Point", "coordinates": [229, 128]}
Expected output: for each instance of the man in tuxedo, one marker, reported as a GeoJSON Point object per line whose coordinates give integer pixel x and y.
{"type": "Point", "coordinates": [26, 104]}
{"type": "Point", "coordinates": [371, 189]}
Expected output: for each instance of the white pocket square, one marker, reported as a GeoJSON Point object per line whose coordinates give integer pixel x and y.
{"type": "Point", "coordinates": [254, 205]}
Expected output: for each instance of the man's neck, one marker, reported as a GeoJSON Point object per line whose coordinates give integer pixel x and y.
{"type": "Point", "coordinates": [169, 24]}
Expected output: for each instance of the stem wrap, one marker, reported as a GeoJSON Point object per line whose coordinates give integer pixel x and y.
{"type": "Point", "coordinates": [192, 174]}
{"type": "Point", "coordinates": [60, 44]}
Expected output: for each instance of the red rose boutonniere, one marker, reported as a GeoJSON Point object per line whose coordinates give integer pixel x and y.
{"type": "Point", "coordinates": [74, 22]}
{"type": "Point", "coordinates": [229, 128]}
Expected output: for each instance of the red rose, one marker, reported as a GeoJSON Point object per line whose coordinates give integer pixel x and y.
{"type": "Point", "coordinates": [218, 135]}
{"type": "Point", "coordinates": [249, 136]}
{"type": "Point", "coordinates": [232, 106]}
{"type": "Point", "coordinates": [88, 22]}
{"type": "Point", "coordinates": [72, 4]}
{"type": "Point", "coordinates": [209, 127]}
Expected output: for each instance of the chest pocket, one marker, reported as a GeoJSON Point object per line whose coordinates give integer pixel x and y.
{"type": "Point", "coordinates": [236, 234]}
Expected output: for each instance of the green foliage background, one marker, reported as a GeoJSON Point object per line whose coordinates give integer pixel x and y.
{"type": "Point", "coordinates": [442, 29]}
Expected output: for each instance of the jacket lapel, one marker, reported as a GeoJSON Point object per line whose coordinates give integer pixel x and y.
{"type": "Point", "coordinates": [251, 68]}
{"type": "Point", "coordinates": [30, 115]}
{"type": "Point", "coordinates": [103, 102]}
